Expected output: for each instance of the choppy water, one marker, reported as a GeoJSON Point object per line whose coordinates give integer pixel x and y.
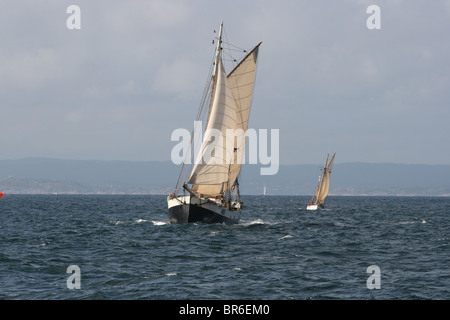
{"type": "Point", "coordinates": [125, 249]}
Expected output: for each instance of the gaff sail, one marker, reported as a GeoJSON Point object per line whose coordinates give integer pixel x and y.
{"type": "Point", "coordinates": [219, 162]}
{"type": "Point", "coordinates": [324, 183]}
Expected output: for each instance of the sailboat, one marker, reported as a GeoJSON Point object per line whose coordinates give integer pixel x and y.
{"type": "Point", "coordinates": [318, 199]}
{"type": "Point", "coordinates": [210, 194]}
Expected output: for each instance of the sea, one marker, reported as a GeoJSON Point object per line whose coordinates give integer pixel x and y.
{"type": "Point", "coordinates": [121, 247]}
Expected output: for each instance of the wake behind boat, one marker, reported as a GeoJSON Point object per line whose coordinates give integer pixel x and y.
{"type": "Point", "coordinates": [318, 199]}
{"type": "Point", "coordinates": [211, 193]}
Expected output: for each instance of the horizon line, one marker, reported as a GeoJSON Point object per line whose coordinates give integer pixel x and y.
{"type": "Point", "coordinates": [162, 161]}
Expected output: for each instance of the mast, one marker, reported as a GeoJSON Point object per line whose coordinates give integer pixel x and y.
{"type": "Point", "coordinates": [217, 60]}
{"type": "Point", "coordinates": [218, 49]}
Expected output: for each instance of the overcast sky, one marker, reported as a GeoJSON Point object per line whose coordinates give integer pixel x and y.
{"type": "Point", "coordinates": [135, 71]}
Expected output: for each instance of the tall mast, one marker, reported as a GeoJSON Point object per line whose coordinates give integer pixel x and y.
{"type": "Point", "coordinates": [218, 48]}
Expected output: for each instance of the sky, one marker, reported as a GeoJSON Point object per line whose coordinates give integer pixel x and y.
{"type": "Point", "coordinates": [135, 71]}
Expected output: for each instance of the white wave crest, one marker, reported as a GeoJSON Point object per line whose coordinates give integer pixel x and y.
{"type": "Point", "coordinates": [140, 220]}
{"type": "Point", "coordinates": [159, 223]}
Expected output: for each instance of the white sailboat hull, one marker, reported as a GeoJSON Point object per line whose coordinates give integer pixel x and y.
{"type": "Point", "coordinates": [312, 207]}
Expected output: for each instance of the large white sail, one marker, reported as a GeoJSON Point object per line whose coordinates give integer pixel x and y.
{"type": "Point", "coordinates": [242, 80]}
{"type": "Point", "coordinates": [219, 162]}
{"type": "Point", "coordinates": [211, 176]}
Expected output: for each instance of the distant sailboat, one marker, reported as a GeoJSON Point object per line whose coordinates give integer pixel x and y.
{"type": "Point", "coordinates": [265, 190]}
{"type": "Point", "coordinates": [318, 199]}
{"type": "Point", "coordinates": [211, 191]}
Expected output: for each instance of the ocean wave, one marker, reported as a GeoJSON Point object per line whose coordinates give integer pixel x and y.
{"type": "Point", "coordinates": [159, 223]}
{"type": "Point", "coordinates": [116, 222]}
{"type": "Point", "coordinates": [140, 221]}
{"type": "Point", "coordinates": [253, 222]}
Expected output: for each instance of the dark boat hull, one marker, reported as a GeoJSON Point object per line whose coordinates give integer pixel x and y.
{"type": "Point", "coordinates": [194, 210]}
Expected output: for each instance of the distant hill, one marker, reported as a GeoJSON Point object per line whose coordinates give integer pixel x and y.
{"type": "Point", "coordinates": [45, 175]}
{"type": "Point", "coordinates": [380, 179]}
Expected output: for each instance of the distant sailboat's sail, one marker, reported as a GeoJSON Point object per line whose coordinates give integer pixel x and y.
{"type": "Point", "coordinates": [325, 183]}
{"type": "Point", "coordinates": [219, 163]}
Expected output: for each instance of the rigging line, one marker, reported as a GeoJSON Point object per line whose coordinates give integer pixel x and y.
{"type": "Point", "coordinates": [199, 115]}
{"type": "Point", "coordinates": [230, 57]}
{"type": "Point", "coordinates": [228, 53]}
{"type": "Point", "coordinates": [236, 48]}
{"type": "Point", "coordinates": [193, 137]}
{"type": "Point", "coordinates": [205, 90]}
